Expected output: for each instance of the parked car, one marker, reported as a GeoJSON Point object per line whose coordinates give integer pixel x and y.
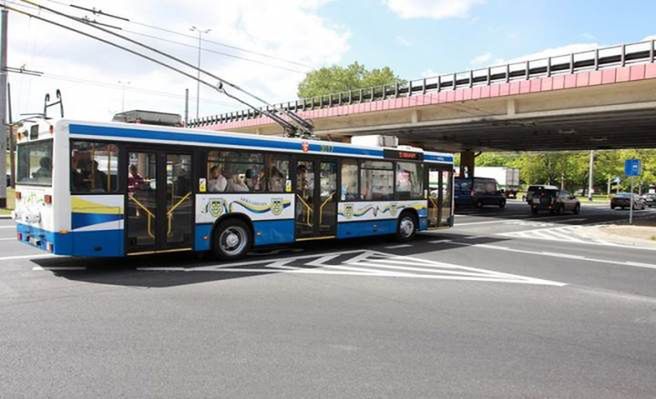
{"type": "Point", "coordinates": [550, 198]}
{"type": "Point", "coordinates": [650, 199]}
{"type": "Point", "coordinates": [624, 200]}
{"type": "Point", "coordinates": [478, 192]}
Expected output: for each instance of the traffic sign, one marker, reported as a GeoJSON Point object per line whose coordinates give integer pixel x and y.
{"type": "Point", "coordinates": [632, 167]}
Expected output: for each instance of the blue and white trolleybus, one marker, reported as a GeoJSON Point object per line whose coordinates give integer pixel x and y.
{"type": "Point", "coordinates": [117, 189]}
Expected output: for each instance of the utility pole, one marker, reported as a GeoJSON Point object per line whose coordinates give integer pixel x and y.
{"type": "Point", "coordinates": [200, 34]}
{"type": "Point", "coordinates": [590, 176]}
{"type": "Point", "coordinates": [3, 110]}
{"type": "Point", "coordinates": [12, 140]}
{"type": "Point", "coordinates": [186, 114]}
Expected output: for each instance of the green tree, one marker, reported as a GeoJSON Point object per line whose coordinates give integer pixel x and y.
{"type": "Point", "coordinates": [335, 79]}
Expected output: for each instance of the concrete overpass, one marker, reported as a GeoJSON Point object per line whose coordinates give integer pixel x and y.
{"type": "Point", "coordinates": [599, 99]}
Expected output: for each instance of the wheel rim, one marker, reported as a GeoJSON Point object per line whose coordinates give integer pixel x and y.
{"type": "Point", "coordinates": [233, 240]}
{"type": "Point", "coordinates": [407, 227]}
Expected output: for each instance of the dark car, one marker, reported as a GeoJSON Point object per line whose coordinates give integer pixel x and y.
{"type": "Point", "coordinates": [624, 200]}
{"type": "Point", "coordinates": [550, 198]}
{"type": "Point", "coordinates": [536, 190]}
{"type": "Point", "coordinates": [478, 192]}
{"type": "Point", "coordinates": [650, 199]}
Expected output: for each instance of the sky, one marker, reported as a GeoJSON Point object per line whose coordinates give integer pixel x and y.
{"type": "Point", "coordinates": [267, 47]}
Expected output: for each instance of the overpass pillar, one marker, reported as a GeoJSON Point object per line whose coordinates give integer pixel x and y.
{"type": "Point", "coordinates": [467, 163]}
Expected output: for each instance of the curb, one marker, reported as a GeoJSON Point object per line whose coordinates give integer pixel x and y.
{"type": "Point", "coordinates": [617, 239]}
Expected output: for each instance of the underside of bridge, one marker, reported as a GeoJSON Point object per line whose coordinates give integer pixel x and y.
{"type": "Point", "coordinates": [601, 117]}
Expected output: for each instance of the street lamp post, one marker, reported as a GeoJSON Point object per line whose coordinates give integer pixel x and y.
{"type": "Point", "coordinates": [200, 34]}
{"type": "Point", "coordinates": [123, 84]}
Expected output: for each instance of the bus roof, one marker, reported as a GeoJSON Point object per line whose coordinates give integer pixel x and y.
{"type": "Point", "coordinates": [186, 136]}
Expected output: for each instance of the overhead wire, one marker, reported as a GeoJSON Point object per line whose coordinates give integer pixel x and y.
{"type": "Point", "coordinates": [230, 46]}
{"type": "Point", "coordinates": [304, 125]}
{"type": "Point", "coordinates": [285, 124]}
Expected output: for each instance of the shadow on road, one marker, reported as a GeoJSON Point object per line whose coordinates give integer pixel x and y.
{"type": "Point", "coordinates": [157, 271]}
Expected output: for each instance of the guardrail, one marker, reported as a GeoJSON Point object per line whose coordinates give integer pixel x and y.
{"type": "Point", "coordinates": [600, 58]}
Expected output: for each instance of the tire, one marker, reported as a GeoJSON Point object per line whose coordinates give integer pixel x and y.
{"type": "Point", "coordinates": [232, 239]}
{"type": "Point", "coordinates": [577, 209]}
{"type": "Point", "coordinates": [406, 228]}
{"type": "Point", "coordinates": [479, 204]}
{"type": "Point", "coordinates": [560, 210]}
{"type": "Point", "coordinates": [502, 204]}
{"type": "Point", "coordinates": [534, 211]}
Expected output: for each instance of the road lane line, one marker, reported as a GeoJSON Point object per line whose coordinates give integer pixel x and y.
{"type": "Point", "coordinates": [27, 256]}
{"type": "Point", "coordinates": [558, 255]}
{"type": "Point", "coordinates": [398, 246]}
{"type": "Point", "coordinates": [438, 241]}
{"type": "Point", "coordinates": [58, 268]}
{"type": "Point", "coordinates": [8, 239]}
{"type": "Point", "coordinates": [7, 227]}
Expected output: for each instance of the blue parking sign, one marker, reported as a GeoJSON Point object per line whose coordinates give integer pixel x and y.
{"type": "Point", "coordinates": [632, 167]}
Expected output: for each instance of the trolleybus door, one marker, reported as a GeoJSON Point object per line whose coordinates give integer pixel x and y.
{"type": "Point", "coordinates": [439, 195]}
{"type": "Point", "coordinates": [316, 202]}
{"type": "Point", "coordinates": [159, 209]}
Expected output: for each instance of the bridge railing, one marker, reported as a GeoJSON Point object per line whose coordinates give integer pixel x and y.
{"type": "Point", "coordinates": [595, 59]}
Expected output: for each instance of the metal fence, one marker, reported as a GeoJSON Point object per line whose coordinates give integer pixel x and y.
{"type": "Point", "coordinates": [619, 55]}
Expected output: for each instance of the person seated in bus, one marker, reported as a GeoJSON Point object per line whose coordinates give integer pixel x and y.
{"type": "Point", "coordinates": [45, 170]}
{"type": "Point", "coordinates": [77, 179]}
{"type": "Point", "coordinates": [404, 181]}
{"type": "Point", "coordinates": [217, 183]}
{"type": "Point", "coordinates": [254, 180]}
{"type": "Point", "coordinates": [276, 181]}
{"type": "Point", "coordinates": [237, 184]}
{"type": "Point", "coordinates": [135, 180]}
{"type": "Point", "coordinates": [100, 183]}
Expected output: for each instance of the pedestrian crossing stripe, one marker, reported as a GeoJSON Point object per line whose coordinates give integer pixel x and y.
{"type": "Point", "coordinates": [367, 263]}
{"type": "Point", "coordinates": [562, 234]}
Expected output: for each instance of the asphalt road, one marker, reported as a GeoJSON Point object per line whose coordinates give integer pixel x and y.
{"type": "Point", "coordinates": [504, 305]}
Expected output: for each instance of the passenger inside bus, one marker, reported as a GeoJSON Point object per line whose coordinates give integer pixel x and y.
{"type": "Point", "coordinates": [277, 180]}
{"type": "Point", "coordinates": [217, 183]}
{"type": "Point", "coordinates": [99, 179]}
{"type": "Point", "coordinates": [135, 180]}
{"type": "Point", "coordinates": [45, 170]}
{"type": "Point", "coordinates": [237, 184]}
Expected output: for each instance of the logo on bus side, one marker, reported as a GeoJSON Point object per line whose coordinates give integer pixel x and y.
{"type": "Point", "coordinates": [348, 211]}
{"type": "Point", "coordinates": [215, 208]}
{"type": "Point", "coordinates": [277, 206]}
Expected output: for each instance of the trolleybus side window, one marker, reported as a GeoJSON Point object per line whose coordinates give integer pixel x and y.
{"type": "Point", "coordinates": [231, 171]}
{"type": "Point", "coordinates": [409, 180]}
{"type": "Point", "coordinates": [278, 173]}
{"type": "Point", "coordinates": [350, 190]}
{"type": "Point", "coordinates": [377, 181]}
{"type": "Point", "coordinates": [94, 167]}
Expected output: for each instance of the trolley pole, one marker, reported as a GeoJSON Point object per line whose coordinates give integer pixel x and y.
{"type": "Point", "coordinates": [3, 110]}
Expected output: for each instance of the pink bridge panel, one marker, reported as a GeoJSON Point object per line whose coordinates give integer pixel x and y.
{"type": "Point", "coordinates": [537, 85]}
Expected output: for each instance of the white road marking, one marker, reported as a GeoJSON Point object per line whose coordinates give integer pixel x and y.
{"type": "Point", "coordinates": [7, 227]}
{"type": "Point", "coordinates": [27, 256]}
{"type": "Point", "coordinates": [58, 268]}
{"type": "Point", "coordinates": [398, 246]}
{"type": "Point", "coordinates": [558, 255]}
{"type": "Point", "coordinates": [366, 263]}
{"type": "Point", "coordinates": [438, 241]}
{"type": "Point", "coordinates": [8, 239]}
{"type": "Point", "coordinates": [475, 223]}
